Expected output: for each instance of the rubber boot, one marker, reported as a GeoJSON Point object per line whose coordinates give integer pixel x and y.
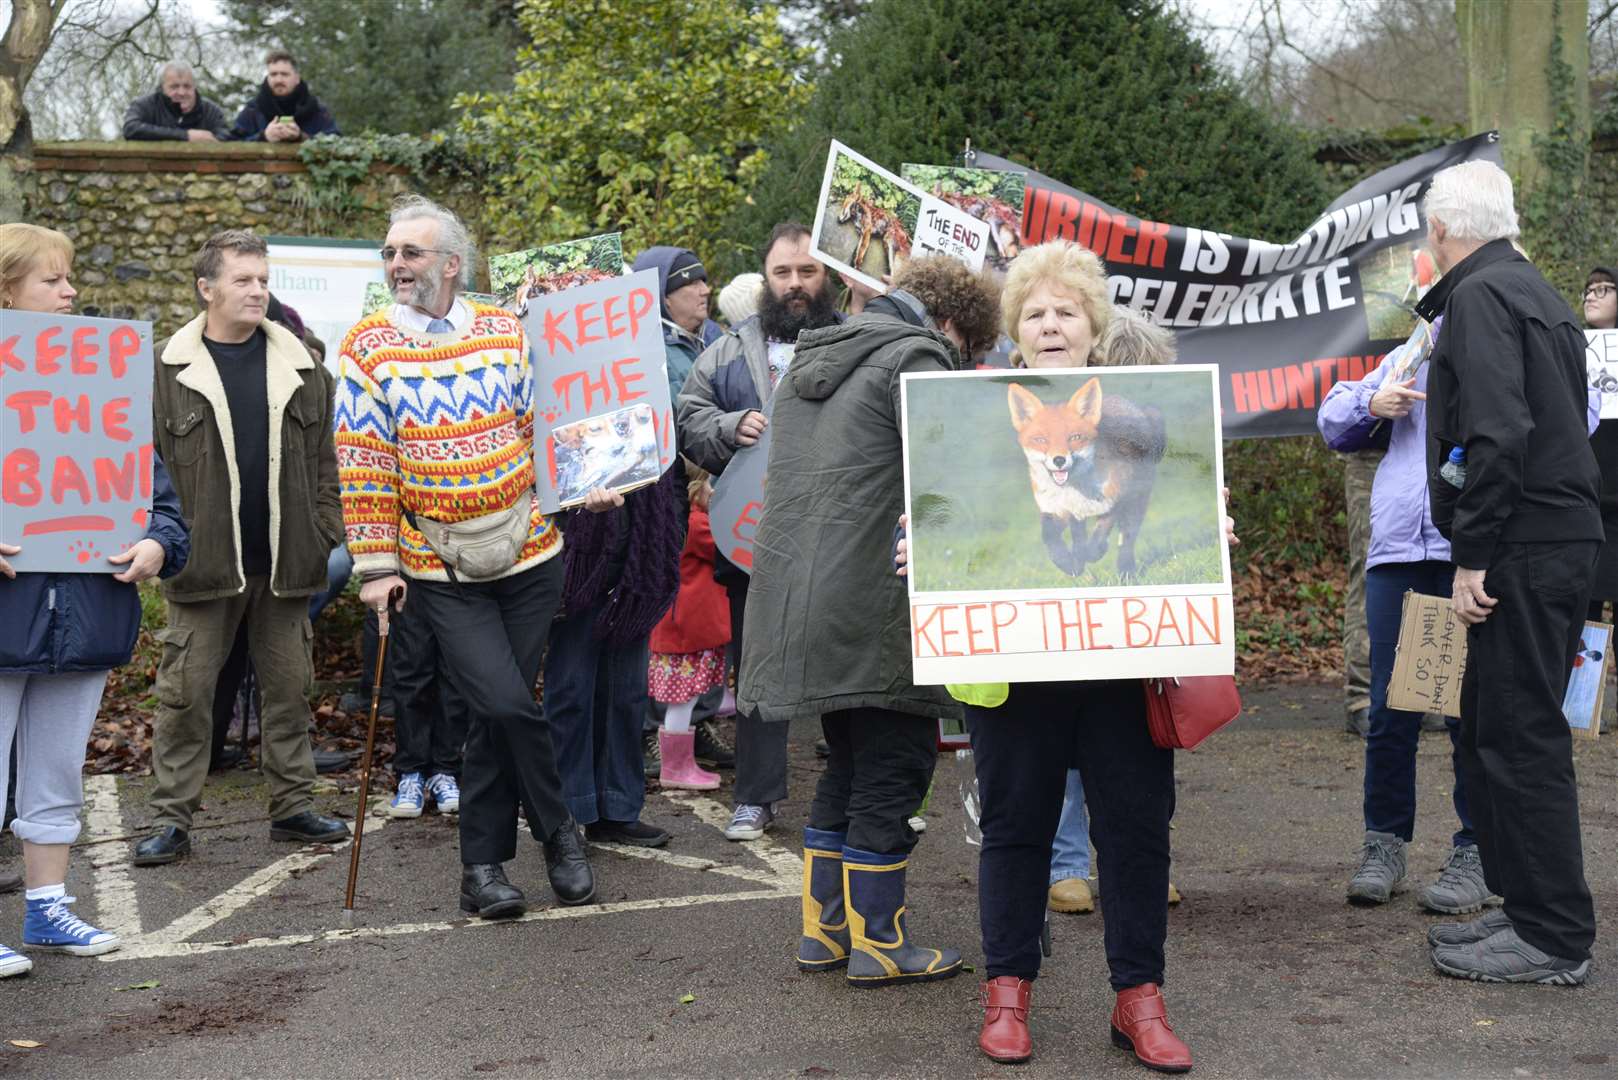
{"type": "Point", "coordinates": [880, 953]}
{"type": "Point", "coordinates": [824, 945]}
{"type": "Point", "coordinates": [680, 768]}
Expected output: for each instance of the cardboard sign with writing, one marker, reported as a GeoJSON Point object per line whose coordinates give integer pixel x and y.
{"type": "Point", "coordinates": [597, 349]}
{"type": "Point", "coordinates": [75, 439]}
{"type": "Point", "coordinates": [1601, 362]}
{"type": "Point", "coordinates": [738, 502]}
{"type": "Point", "coordinates": [1431, 657]}
{"type": "Point", "coordinates": [1066, 524]}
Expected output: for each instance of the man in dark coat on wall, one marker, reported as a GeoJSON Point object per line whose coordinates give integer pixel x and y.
{"type": "Point", "coordinates": [284, 109]}
{"type": "Point", "coordinates": [175, 110]}
{"type": "Point", "coordinates": [1514, 486]}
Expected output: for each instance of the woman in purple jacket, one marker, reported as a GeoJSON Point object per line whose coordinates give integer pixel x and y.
{"type": "Point", "coordinates": [1406, 553]}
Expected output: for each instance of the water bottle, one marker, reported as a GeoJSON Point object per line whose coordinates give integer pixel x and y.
{"type": "Point", "coordinates": [1454, 470]}
{"type": "Point", "coordinates": [967, 778]}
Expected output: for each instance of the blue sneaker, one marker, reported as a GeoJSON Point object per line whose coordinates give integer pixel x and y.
{"type": "Point", "coordinates": [409, 800]}
{"type": "Point", "coordinates": [51, 924]}
{"type": "Point", "coordinates": [13, 963]}
{"type": "Point", "coordinates": [446, 793]}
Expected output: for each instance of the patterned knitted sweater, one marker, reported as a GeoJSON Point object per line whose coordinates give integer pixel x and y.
{"type": "Point", "coordinates": [441, 425]}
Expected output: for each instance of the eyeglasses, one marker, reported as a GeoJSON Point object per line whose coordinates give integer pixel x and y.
{"type": "Point", "coordinates": [410, 252]}
{"type": "Point", "coordinates": [1596, 292]}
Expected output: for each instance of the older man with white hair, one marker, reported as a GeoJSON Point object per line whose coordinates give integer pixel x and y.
{"type": "Point", "coordinates": [175, 110]}
{"type": "Point", "coordinates": [435, 433]}
{"type": "Point", "coordinates": [1514, 486]}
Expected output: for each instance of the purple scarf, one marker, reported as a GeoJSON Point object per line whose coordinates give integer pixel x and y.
{"type": "Point", "coordinates": [633, 603]}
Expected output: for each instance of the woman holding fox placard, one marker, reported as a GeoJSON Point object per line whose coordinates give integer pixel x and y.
{"type": "Point", "coordinates": [1026, 736]}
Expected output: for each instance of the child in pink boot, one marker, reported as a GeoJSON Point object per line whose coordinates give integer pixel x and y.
{"type": "Point", "coordinates": [688, 646]}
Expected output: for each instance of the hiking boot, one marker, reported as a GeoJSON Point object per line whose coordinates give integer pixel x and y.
{"type": "Point", "coordinates": [712, 748]}
{"type": "Point", "coordinates": [12, 963]}
{"type": "Point", "coordinates": [51, 925]}
{"type": "Point", "coordinates": [1505, 957]}
{"type": "Point", "coordinates": [410, 797]}
{"type": "Point", "coordinates": [651, 754]}
{"type": "Point", "coordinates": [1381, 872]}
{"type": "Point", "coordinates": [445, 793]}
{"type": "Point", "coordinates": [1071, 896]}
{"type": "Point", "coordinates": [1459, 889]}
{"type": "Point", "coordinates": [1452, 934]}
{"type": "Point", "coordinates": [749, 822]}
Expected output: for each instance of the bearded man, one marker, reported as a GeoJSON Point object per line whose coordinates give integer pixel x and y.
{"type": "Point", "coordinates": [720, 410]}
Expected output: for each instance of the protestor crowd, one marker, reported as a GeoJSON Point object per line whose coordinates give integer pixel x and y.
{"type": "Point", "coordinates": [413, 468]}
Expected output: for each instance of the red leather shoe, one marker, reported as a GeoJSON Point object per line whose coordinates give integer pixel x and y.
{"type": "Point", "coordinates": [1140, 1025]}
{"type": "Point", "coordinates": [1005, 1019]}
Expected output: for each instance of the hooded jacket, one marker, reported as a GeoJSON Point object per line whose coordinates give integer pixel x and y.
{"type": "Point", "coordinates": [828, 621]}
{"type": "Point", "coordinates": [313, 118]}
{"type": "Point", "coordinates": [156, 117]}
{"type": "Point", "coordinates": [681, 346]}
{"type": "Point", "coordinates": [1508, 384]}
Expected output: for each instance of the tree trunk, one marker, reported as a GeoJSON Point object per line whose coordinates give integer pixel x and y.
{"type": "Point", "coordinates": [20, 51]}
{"type": "Point", "coordinates": [1507, 47]}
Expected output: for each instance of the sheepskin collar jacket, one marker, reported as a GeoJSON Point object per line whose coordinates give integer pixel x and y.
{"type": "Point", "coordinates": [192, 426]}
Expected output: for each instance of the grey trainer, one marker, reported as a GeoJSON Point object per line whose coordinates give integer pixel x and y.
{"type": "Point", "coordinates": [1505, 957]}
{"type": "Point", "coordinates": [1459, 889]}
{"type": "Point", "coordinates": [1382, 869]}
{"type": "Point", "coordinates": [1467, 933]}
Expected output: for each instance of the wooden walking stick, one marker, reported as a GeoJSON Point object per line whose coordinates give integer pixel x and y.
{"type": "Point", "coordinates": [365, 766]}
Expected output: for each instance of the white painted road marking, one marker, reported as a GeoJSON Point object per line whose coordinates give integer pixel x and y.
{"type": "Point", "coordinates": [117, 910]}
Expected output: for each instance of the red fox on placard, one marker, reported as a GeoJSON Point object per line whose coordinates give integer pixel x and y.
{"type": "Point", "coordinates": [1088, 457]}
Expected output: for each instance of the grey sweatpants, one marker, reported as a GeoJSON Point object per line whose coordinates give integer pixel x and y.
{"type": "Point", "coordinates": [50, 716]}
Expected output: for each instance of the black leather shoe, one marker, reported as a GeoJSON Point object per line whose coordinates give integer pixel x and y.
{"type": "Point", "coordinates": [309, 828]}
{"type": "Point", "coordinates": [633, 833]}
{"type": "Point", "coordinates": [332, 760]}
{"type": "Point", "coordinates": [486, 893]}
{"type": "Point", "coordinates": [567, 866]}
{"type": "Point", "coordinates": [166, 845]}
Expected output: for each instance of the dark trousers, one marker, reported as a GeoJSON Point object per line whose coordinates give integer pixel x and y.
{"type": "Point", "coordinates": [1390, 744]}
{"type": "Point", "coordinates": [595, 696]}
{"type": "Point", "coordinates": [1516, 749]}
{"type": "Point", "coordinates": [1022, 751]}
{"type": "Point", "coordinates": [491, 636]}
{"type": "Point", "coordinates": [761, 747]}
{"type": "Point", "coordinates": [880, 766]}
{"type": "Point", "coordinates": [429, 713]}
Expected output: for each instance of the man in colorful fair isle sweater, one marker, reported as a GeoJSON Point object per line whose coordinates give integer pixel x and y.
{"type": "Point", "coordinates": [435, 424]}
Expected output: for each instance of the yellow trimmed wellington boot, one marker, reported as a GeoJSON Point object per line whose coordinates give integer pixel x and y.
{"type": "Point", "coordinates": [824, 945]}
{"type": "Point", "coordinates": [874, 886]}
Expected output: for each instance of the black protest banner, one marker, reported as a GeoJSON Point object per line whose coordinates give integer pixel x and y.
{"type": "Point", "coordinates": [1283, 321]}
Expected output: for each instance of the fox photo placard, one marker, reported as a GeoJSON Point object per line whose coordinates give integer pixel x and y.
{"type": "Point", "coordinates": [1066, 524]}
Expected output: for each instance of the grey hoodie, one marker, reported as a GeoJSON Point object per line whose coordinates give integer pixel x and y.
{"type": "Point", "coordinates": [827, 618]}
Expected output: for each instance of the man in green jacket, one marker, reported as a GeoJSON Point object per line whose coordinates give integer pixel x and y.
{"type": "Point", "coordinates": [828, 620]}
{"type": "Point", "coordinates": [242, 416]}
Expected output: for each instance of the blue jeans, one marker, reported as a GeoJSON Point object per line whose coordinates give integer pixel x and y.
{"type": "Point", "coordinates": [339, 568]}
{"type": "Point", "coordinates": [595, 696]}
{"type": "Point", "coordinates": [1390, 745]}
{"type": "Point", "coordinates": [1070, 851]}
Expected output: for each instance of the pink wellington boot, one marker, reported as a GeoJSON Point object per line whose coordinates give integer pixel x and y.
{"type": "Point", "coordinates": [680, 768]}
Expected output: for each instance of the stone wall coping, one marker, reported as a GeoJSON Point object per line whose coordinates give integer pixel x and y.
{"type": "Point", "coordinates": [174, 156]}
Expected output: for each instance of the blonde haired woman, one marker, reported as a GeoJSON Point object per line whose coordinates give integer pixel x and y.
{"type": "Point", "coordinates": [62, 634]}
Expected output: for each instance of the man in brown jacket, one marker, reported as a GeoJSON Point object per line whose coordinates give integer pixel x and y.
{"type": "Point", "coordinates": [242, 415]}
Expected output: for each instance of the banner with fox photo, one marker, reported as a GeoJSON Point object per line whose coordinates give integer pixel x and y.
{"type": "Point", "coordinates": [1066, 524]}
{"type": "Point", "coordinates": [1283, 321]}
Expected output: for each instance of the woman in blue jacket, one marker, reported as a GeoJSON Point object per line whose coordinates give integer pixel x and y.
{"type": "Point", "coordinates": [60, 636]}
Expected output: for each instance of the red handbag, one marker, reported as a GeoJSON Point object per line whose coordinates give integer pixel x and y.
{"type": "Point", "coordinates": [1180, 713]}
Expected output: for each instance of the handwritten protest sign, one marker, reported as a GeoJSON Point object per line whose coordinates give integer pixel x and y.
{"type": "Point", "coordinates": [994, 198]}
{"type": "Point", "coordinates": [1066, 524]}
{"type": "Point", "coordinates": [597, 350]}
{"type": "Point", "coordinates": [869, 220]}
{"type": "Point", "coordinates": [738, 502]}
{"type": "Point", "coordinates": [1601, 362]}
{"type": "Point", "coordinates": [75, 439]}
{"type": "Point", "coordinates": [1431, 657]}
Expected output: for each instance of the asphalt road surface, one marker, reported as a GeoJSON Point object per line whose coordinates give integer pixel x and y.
{"type": "Point", "coordinates": [235, 963]}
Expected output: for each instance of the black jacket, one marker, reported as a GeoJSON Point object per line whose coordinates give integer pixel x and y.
{"type": "Point", "coordinates": [156, 117]}
{"type": "Point", "coordinates": [302, 105]}
{"type": "Point", "coordinates": [1508, 385]}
